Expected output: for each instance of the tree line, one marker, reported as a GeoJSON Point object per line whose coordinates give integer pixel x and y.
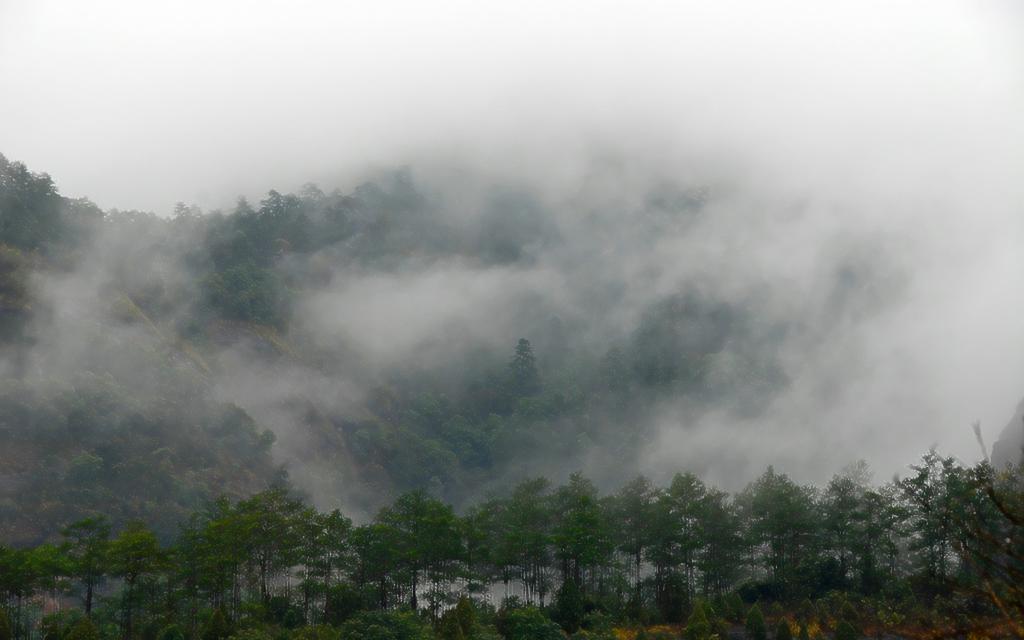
{"type": "Point", "coordinates": [939, 549]}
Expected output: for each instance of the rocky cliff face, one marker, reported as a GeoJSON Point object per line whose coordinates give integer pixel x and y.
{"type": "Point", "coordinates": [1008, 448]}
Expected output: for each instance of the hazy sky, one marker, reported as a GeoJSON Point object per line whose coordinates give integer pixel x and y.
{"type": "Point", "coordinates": [894, 123]}
{"type": "Point", "coordinates": [139, 104]}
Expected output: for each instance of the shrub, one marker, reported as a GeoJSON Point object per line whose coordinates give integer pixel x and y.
{"type": "Point", "coordinates": [569, 607]}
{"type": "Point", "coordinates": [84, 629]}
{"type": "Point", "coordinates": [697, 627]}
{"type": "Point", "coordinates": [380, 625]}
{"type": "Point", "coordinates": [782, 631]}
{"type": "Point", "coordinates": [171, 632]}
{"type": "Point", "coordinates": [531, 624]}
{"type": "Point", "coordinates": [315, 632]}
{"type": "Point", "coordinates": [846, 631]}
{"type": "Point", "coordinates": [217, 627]}
{"type": "Point", "coordinates": [806, 612]}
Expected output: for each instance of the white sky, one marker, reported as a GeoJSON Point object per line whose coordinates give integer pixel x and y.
{"type": "Point", "coordinates": [139, 103]}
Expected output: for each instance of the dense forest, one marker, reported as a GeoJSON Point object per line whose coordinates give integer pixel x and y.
{"type": "Point", "coordinates": [184, 400]}
{"type": "Point", "coordinates": [939, 553]}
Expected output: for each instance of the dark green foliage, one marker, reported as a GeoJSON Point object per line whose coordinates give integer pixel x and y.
{"type": "Point", "coordinates": [522, 370]}
{"type": "Point", "coordinates": [735, 608]}
{"type": "Point", "coordinates": [15, 297]}
{"type": "Point", "coordinates": [87, 545]}
{"type": "Point", "coordinates": [755, 625]}
{"type": "Point", "coordinates": [849, 613]}
{"type": "Point", "coordinates": [6, 633]}
{"type": "Point", "coordinates": [376, 625]}
{"type": "Point", "coordinates": [217, 627]}
{"type": "Point", "coordinates": [698, 627]}
{"type": "Point", "coordinates": [846, 631]}
{"type": "Point", "coordinates": [171, 632]}
{"type": "Point", "coordinates": [155, 452]}
{"type": "Point", "coordinates": [465, 615]}
{"type": "Point", "coordinates": [782, 630]}
{"type": "Point", "coordinates": [530, 624]}
{"type": "Point", "coordinates": [342, 601]}
{"type": "Point", "coordinates": [450, 629]}
{"type": "Point", "coordinates": [317, 632]}
{"type": "Point", "coordinates": [83, 629]}
{"type": "Point", "coordinates": [33, 215]}
{"type": "Point", "coordinates": [804, 635]}
{"type": "Point", "coordinates": [247, 293]}
{"type": "Point", "coordinates": [569, 607]}
{"type": "Point", "coordinates": [806, 612]}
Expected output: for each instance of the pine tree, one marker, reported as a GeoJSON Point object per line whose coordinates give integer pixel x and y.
{"type": "Point", "coordinates": [756, 628]}
{"type": "Point", "coordinates": [522, 369]}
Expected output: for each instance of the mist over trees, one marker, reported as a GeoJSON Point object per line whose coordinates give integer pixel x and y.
{"type": "Point", "coordinates": [457, 320]}
{"type": "Point", "coordinates": [139, 350]}
{"type": "Point", "coordinates": [182, 397]}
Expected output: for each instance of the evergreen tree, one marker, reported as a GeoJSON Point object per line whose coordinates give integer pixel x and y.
{"type": "Point", "coordinates": [755, 626]}
{"type": "Point", "coordinates": [523, 376]}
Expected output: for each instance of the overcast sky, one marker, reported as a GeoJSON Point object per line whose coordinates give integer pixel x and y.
{"type": "Point", "coordinates": [139, 104]}
{"type": "Point", "coordinates": [897, 119]}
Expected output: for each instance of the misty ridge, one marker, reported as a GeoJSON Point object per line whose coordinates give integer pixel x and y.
{"type": "Point", "coordinates": [436, 330]}
{"type": "Point", "coordinates": [372, 332]}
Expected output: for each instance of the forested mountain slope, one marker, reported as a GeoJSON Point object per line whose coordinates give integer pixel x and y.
{"type": "Point", "coordinates": [390, 338]}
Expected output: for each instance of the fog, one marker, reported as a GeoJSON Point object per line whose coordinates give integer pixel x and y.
{"type": "Point", "coordinates": [861, 164]}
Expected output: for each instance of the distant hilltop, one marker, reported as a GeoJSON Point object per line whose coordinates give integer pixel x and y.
{"type": "Point", "coordinates": [1009, 446]}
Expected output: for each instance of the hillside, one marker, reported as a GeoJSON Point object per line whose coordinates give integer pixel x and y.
{"type": "Point", "coordinates": [177, 334]}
